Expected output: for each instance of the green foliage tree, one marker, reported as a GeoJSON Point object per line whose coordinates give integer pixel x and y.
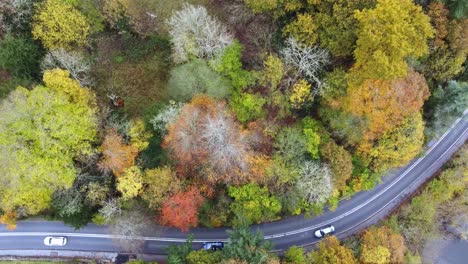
{"type": "Point", "coordinates": [230, 65]}
{"type": "Point", "coordinates": [295, 255]}
{"type": "Point", "coordinates": [196, 77]}
{"type": "Point", "coordinates": [272, 72]}
{"type": "Point", "coordinates": [291, 144]}
{"type": "Point", "coordinates": [247, 246]}
{"type": "Point", "coordinates": [444, 64]}
{"type": "Point", "coordinates": [458, 8]}
{"type": "Point", "coordinates": [259, 6]}
{"type": "Point", "coordinates": [388, 34]}
{"type": "Point", "coordinates": [41, 132]}
{"type": "Point", "coordinates": [20, 56]}
{"type": "Point", "coordinates": [204, 257]}
{"type": "Point", "coordinates": [177, 254]}
{"type": "Point", "coordinates": [59, 25]}
{"type": "Point", "coordinates": [447, 104]}
{"type": "Point", "coordinates": [254, 203]}
{"type": "Point", "coordinates": [247, 106]}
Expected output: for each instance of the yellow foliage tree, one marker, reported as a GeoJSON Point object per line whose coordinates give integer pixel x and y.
{"type": "Point", "coordinates": [377, 255]}
{"type": "Point", "coordinates": [397, 146]}
{"type": "Point", "coordinates": [59, 25]}
{"type": "Point", "coordinates": [387, 34]}
{"type": "Point", "coordinates": [139, 137]}
{"type": "Point", "coordinates": [303, 29]}
{"type": "Point", "coordinates": [272, 73]}
{"type": "Point", "coordinates": [300, 94]}
{"type": "Point", "coordinates": [130, 183]}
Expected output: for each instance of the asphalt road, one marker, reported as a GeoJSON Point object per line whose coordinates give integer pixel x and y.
{"type": "Point", "coordinates": [363, 209]}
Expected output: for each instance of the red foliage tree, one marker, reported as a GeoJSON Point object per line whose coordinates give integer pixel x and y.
{"type": "Point", "coordinates": [181, 210]}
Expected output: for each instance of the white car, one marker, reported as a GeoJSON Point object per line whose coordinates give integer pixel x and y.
{"type": "Point", "coordinates": [213, 246]}
{"type": "Point", "coordinates": [324, 231]}
{"type": "Point", "coordinates": [55, 241]}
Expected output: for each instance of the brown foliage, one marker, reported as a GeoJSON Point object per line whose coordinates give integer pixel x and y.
{"type": "Point", "coordinates": [9, 219]}
{"type": "Point", "coordinates": [117, 156]}
{"type": "Point", "coordinates": [438, 14]}
{"type": "Point", "coordinates": [339, 161]}
{"type": "Point", "coordinates": [181, 210]}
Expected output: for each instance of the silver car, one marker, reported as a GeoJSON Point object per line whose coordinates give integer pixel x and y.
{"type": "Point", "coordinates": [324, 231]}
{"type": "Point", "coordinates": [55, 241]}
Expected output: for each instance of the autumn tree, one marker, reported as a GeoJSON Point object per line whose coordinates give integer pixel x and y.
{"type": "Point", "coordinates": [229, 64]}
{"type": "Point", "coordinates": [116, 155]}
{"type": "Point", "coordinates": [194, 140]}
{"type": "Point", "coordinates": [340, 163]}
{"type": "Point", "coordinates": [194, 32]}
{"type": "Point", "coordinates": [59, 25]}
{"type": "Point", "coordinates": [181, 210]}
{"type": "Point", "coordinates": [259, 6]}
{"type": "Point", "coordinates": [387, 34]}
{"type": "Point", "coordinates": [303, 29]}
{"type": "Point", "coordinates": [158, 184]}
{"type": "Point", "coordinates": [248, 106]}
{"type": "Point", "coordinates": [438, 14]}
{"type": "Point", "coordinates": [385, 103]}
{"type": "Point", "coordinates": [331, 251]}
{"type": "Point", "coordinates": [51, 125]}
{"type": "Point", "coordinates": [300, 94]}
{"type": "Point", "coordinates": [397, 146]}
{"type": "Point", "coordinates": [295, 255]}
{"type": "Point", "coordinates": [130, 182]}
{"type": "Point", "coordinates": [374, 238]}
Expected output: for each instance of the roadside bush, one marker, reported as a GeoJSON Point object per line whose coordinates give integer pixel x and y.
{"type": "Point", "coordinates": [194, 78]}
{"type": "Point", "coordinates": [254, 203]}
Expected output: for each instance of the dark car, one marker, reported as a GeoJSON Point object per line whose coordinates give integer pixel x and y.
{"type": "Point", "coordinates": [213, 246]}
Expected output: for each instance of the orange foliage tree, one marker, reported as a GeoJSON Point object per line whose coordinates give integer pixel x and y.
{"type": "Point", "coordinates": [9, 219]}
{"type": "Point", "coordinates": [117, 156]}
{"type": "Point", "coordinates": [206, 138]}
{"type": "Point", "coordinates": [386, 103]}
{"type": "Point", "coordinates": [181, 210]}
{"type": "Point", "coordinates": [375, 237]}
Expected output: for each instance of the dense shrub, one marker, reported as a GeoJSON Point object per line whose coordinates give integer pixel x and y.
{"type": "Point", "coordinates": [196, 77]}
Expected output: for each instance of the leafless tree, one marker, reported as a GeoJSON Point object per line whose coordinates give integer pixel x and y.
{"type": "Point", "coordinates": [226, 146]}
{"type": "Point", "coordinates": [72, 61]}
{"type": "Point", "coordinates": [314, 183]}
{"type": "Point", "coordinates": [194, 32]}
{"type": "Point", "coordinates": [15, 14]}
{"type": "Point", "coordinates": [307, 61]}
{"type": "Point", "coordinates": [128, 229]}
{"type": "Point", "coordinates": [110, 210]}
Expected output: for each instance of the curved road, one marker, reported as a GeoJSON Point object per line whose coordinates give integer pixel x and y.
{"type": "Point", "coordinates": [363, 209]}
